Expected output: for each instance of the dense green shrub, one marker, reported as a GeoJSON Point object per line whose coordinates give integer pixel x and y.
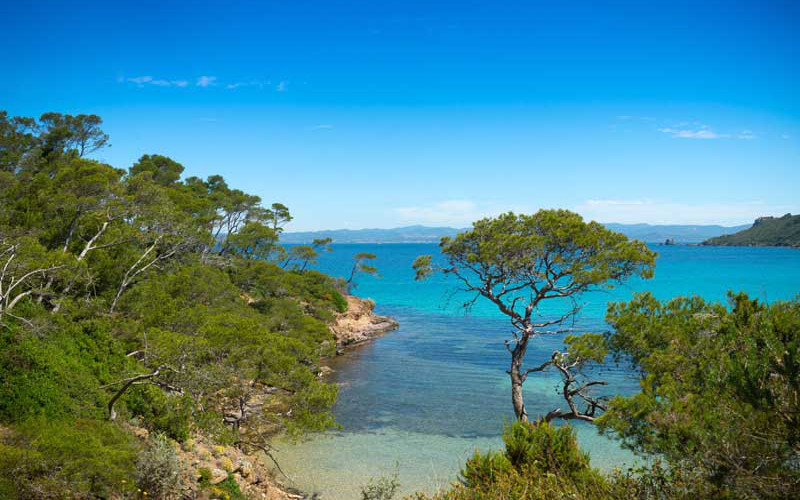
{"type": "Point", "coordinates": [159, 412]}
{"type": "Point", "coordinates": [720, 390]}
{"type": "Point", "coordinates": [47, 459]}
{"type": "Point", "coordinates": [540, 461]}
{"type": "Point", "coordinates": [485, 468]}
{"type": "Point", "coordinates": [550, 448]}
{"type": "Point", "coordinates": [57, 371]}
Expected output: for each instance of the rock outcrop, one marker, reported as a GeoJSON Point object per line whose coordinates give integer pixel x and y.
{"type": "Point", "coordinates": [360, 323]}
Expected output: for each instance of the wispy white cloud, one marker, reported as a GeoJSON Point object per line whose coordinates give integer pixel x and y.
{"type": "Point", "coordinates": [667, 212]}
{"type": "Point", "coordinates": [746, 135]}
{"type": "Point", "coordinates": [203, 81]}
{"type": "Point", "coordinates": [206, 81]}
{"type": "Point", "coordinates": [322, 126]}
{"type": "Point", "coordinates": [170, 83]}
{"type": "Point", "coordinates": [141, 81]}
{"type": "Point", "coordinates": [449, 212]}
{"type": "Point", "coordinates": [697, 130]}
{"type": "Point", "coordinates": [631, 117]}
{"type": "Point", "coordinates": [251, 83]}
{"type": "Point", "coordinates": [703, 132]}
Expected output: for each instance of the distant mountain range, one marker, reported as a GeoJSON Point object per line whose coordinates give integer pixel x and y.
{"type": "Point", "coordinates": [407, 234]}
{"type": "Point", "coordinates": [678, 233]}
{"type": "Point", "coordinates": [425, 234]}
{"type": "Point", "coordinates": [765, 231]}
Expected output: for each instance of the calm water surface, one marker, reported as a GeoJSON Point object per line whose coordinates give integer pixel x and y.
{"type": "Point", "coordinates": [421, 399]}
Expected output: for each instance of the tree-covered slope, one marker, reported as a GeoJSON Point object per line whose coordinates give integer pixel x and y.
{"type": "Point", "coordinates": [130, 297]}
{"type": "Point", "coordinates": [766, 231]}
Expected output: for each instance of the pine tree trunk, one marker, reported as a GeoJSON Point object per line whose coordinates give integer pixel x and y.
{"type": "Point", "coordinates": [516, 388]}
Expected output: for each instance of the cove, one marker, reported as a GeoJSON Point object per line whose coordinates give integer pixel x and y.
{"type": "Point", "coordinates": [420, 400]}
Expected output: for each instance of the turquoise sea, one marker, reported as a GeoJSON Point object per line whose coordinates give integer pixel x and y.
{"type": "Point", "coordinates": [421, 399]}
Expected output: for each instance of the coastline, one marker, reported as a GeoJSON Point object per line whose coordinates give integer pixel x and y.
{"type": "Point", "coordinates": [359, 323]}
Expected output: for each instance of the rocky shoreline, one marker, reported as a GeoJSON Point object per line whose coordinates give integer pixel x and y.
{"type": "Point", "coordinates": [205, 464]}
{"type": "Point", "coordinates": [360, 323]}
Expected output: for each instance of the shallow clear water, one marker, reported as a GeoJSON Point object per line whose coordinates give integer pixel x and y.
{"type": "Point", "coordinates": [421, 399]}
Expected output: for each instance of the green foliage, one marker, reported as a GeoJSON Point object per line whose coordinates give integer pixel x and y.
{"type": "Point", "coordinates": [263, 280]}
{"type": "Point", "coordinates": [160, 412]}
{"type": "Point", "coordinates": [161, 169]}
{"type": "Point", "coordinates": [766, 231]}
{"type": "Point", "coordinates": [539, 462]}
{"type": "Point", "coordinates": [361, 265]}
{"type": "Point", "coordinates": [586, 347]}
{"type": "Point", "coordinates": [63, 458]}
{"type": "Point", "coordinates": [205, 475]}
{"type": "Point", "coordinates": [520, 263]}
{"type": "Point", "coordinates": [485, 468]}
{"type": "Point", "coordinates": [58, 372]}
{"type": "Point", "coordinates": [254, 241]}
{"type": "Point", "coordinates": [720, 390]}
{"type": "Point", "coordinates": [197, 319]}
{"type": "Point", "coordinates": [138, 295]}
{"type": "Point", "coordinates": [228, 489]}
{"type": "Point", "coordinates": [79, 134]}
{"type": "Point", "coordinates": [586, 254]}
{"type": "Point", "coordinates": [381, 488]}
{"type": "Point", "coordinates": [549, 448]}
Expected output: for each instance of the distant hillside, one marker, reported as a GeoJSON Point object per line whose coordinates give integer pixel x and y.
{"type": "Point", "coordinates": [766, 231]}
{"type": "Point", "coordinates": [424, 234]}
{"type": "Point", "coordinates": [678, 233]}
{"type": "Point", "coordinates": [407, 234]}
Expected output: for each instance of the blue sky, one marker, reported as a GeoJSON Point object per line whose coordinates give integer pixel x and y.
{"type": "Point", "coordinates": [386, 113]}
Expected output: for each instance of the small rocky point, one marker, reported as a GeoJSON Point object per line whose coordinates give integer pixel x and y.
{"type": "Point", "coordinates": [360, 323]}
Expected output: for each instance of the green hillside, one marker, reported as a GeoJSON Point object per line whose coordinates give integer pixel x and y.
{"type": "Point", "coordinates": [766, 231]}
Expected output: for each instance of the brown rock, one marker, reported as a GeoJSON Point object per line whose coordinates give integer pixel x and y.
{"type": "Point", "coordinates": [359, 323]}
{"type": "Point", "coordinates": [217, 476]}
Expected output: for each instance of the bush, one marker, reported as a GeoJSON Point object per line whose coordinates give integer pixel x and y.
{"type": "Point", "coordinates": [44, 459]}
{"type": "Point", "coordinates": [228, 489]}
{"type": "Point", "coordinates": [158, 469]}
{"type": "Point", "coordinates": [58, 371]}
{"type": "Point", "coordinates": [381, 488]}
{"type": "Point", "coordinates": [160, 412]}
{"type": "Point", "coordinates": [540, 462]}
{"type": "Point", "coordinates": [548, 448]}
{"type": "Point", "coordinates": [484, 468]}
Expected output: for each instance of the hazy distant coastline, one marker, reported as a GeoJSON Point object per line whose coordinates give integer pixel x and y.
{"type": "Point", "coordinates": [425, 234]}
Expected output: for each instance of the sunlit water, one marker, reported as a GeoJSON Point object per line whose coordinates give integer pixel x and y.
{"type": "Point", "coordinates": [421, 399]}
